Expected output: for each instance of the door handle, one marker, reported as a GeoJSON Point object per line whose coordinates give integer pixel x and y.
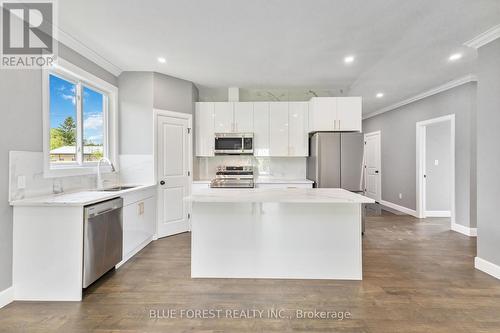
{"type": "Point", "coordinates": [162, 182]}
{"type": "Point", "coordinates": [376, 171]}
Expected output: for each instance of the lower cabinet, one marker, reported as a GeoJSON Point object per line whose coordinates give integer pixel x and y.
{"type": "Point", "coordinates": [284, 185]}
{"type": "Point", "coordinates": [200, 186]}
{"type": "Point", "coordinates": [139, 221]}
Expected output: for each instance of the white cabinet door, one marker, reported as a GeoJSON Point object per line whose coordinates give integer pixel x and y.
{"type": "Point", "coordinates": [349, 114]}
{"type": "Point", "coordinates": [243, 117]}
{"type": "Point", "coordinates": [139, 219]}
{"type": "Point", "coordinates": [322, 114]}
{"type": "Point", "coordinates": [278, 129]}
{"type": "Point", "coordinates": [196, 187]}
{"type": "Point", "coordinates": [261, 129]}
{"type": "Point", "coordinates": [204, 129]}
{"type": "Point", "coordinates": [284, 186]}
{"type": "Point", "coordinates": [224, 117]}
{"type": "Point", "coordinates": [298, 134]}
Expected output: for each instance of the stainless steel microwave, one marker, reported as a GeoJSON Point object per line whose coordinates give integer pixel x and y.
{"type": "Point", "coordinates": [233, 144]}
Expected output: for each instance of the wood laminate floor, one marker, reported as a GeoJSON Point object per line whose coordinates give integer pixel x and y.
{"type": "Point", "coordinates": [418, 277]}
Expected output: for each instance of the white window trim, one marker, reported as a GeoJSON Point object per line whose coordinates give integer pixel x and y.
{"type": "Point", "coordinates": [65, 68]}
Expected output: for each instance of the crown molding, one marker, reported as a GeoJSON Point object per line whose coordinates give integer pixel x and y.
{"type": "Point", "coordinates": [428, 93]}
{"type": "Point", "coordinates": [484, 38]}
{"type": "Point", "coordinates": [87, 52]}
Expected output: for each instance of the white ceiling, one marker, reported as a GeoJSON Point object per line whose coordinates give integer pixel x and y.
{"type": "Point", "coordinates": [401, 47]}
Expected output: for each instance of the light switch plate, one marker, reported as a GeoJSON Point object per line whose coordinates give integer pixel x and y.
{"type": "Point", "coordinates": [21, 182]}
{"type": "Point", "coordinates": [436, 162]}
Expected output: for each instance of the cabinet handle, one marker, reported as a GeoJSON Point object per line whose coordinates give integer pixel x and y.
{"type": "Point", "coordinates": [339, 123]}
{"type": "Point", "coordinates": [335, 124]}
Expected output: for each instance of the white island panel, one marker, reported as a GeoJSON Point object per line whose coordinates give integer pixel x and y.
{"type": "Point", "coordinates": [299, 239]}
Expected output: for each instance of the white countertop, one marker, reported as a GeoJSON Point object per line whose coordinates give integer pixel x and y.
{"type": "Point", "coordinates": [80, 198]}
{"type": "Point", "coordinates": [266, 180]}
{"type": "Point", "coordinates": [295, 195]}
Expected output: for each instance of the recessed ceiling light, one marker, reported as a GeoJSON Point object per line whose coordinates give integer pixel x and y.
{"type": "Point", "coordinates": [349, 59]}
{"type": "Point", "coordinates": [455, 57]}
{"type": "Point", "coordinates": [162, 60]}
{"type": "Point", "coordinates": [380, 95]}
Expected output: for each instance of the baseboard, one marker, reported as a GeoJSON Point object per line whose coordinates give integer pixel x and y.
{"type": "Point", "coordinates": [399, 208]}
{"type": "Point", "coordinates": [6, 296]}
{"type": "Point", "coordinates": [487, 267]}
{"type": "Point", "coordinates": [438, 213]}
{"type": "Point", "coordinates": [471, 232]}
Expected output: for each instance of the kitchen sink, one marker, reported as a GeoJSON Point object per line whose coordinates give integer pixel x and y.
{"type": "Point", "coordinates": [117, 188]}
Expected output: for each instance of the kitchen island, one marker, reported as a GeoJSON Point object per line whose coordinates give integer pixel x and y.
{"type": "Point", "coordinates": [277, 233]}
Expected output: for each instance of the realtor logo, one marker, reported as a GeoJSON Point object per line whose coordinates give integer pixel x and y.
{"type": "Point", "coordinates": [28, 34]}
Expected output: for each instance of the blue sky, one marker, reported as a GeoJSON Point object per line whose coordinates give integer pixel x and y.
{"type": "Point", "coordinates": [62, 105]}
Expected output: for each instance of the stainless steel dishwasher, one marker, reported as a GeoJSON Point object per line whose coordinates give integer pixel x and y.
{"type": "Point", "coordinates": [103, 239]}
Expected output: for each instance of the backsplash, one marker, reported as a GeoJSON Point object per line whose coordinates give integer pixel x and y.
{"type": "Point", "coordinates": [273, 167]}
{"type": "Point", "coordinates": [30, 165]}
{"type": "Point", "coordinates": [136, 169]}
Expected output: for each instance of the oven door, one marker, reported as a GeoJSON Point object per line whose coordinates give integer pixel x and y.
{"type": "Point", "coordinates": [228, 145]}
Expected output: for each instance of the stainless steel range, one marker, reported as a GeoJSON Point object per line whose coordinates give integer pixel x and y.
{"type": "Point", "coordinates": [233, 177]}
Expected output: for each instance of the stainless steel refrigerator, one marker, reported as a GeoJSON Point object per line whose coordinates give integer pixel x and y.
{"type": "Point", "coordinates": [336, 160]}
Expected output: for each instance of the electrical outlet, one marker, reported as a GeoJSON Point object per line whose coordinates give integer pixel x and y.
{"type": "Point", "coordinates": [400, 195]}
{"type": "Point", "coordinates": [21, 182]}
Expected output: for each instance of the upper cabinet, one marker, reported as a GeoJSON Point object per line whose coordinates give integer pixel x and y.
{"type": "Point", "coordinates": [335, 114]}
{"type": "Point", "coordinates": [298, 129]}
{"type": "Point", "coordinates": [322, 114]}
{"type": "Point", "coordinates": [278, 129]}
{"type": "Point", "coordinates": [204, 129]}
{"type": "Point", "coordinates": [261, 128]}
{"type": "Point", "coordinates": [349, 114]}
{"type": "Point", "coordinates": [243, 117]}
{"type": "Point", "coordinates": [224, 117]}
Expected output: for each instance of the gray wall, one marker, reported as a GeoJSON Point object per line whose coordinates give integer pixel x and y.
{"type": "Point", "coordinates": [140, 93]}
{"type": "Point", "coordinates": [136, 112]}
{"type": "Point", "coordinates": [488, 153]}
{"type": "Point", "coordinates": [399, 147]}
{"type": "Point", "coordinates": [21, 129]}
{"type": "Point", "coordinates": [173, 94]}
{"type": "Point", "coordinates": [438, 184]}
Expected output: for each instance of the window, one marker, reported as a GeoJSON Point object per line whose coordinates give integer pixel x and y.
{"type": "Point", "coordinates": [78, 109]}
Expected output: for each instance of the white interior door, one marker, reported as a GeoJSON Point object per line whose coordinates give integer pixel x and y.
{"type": "Point", "coordinates": [373, 188]}
{"type": "Point", "coordinates": [174, 153]}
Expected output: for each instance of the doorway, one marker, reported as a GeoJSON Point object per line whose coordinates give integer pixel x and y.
{"type": "Point", "coordinates": [173, 171]}
{"type": "Point", "coordinates": [372, 166]}
{"type": "Point", "coordinates": [436, 167]}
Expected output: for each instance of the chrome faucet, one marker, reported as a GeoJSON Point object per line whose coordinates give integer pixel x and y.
{"type": "Point", "coordinates": [100, 181]}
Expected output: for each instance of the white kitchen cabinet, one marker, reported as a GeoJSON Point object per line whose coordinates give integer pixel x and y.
{"type": "Point", "coordinates": [322, 114]}
{"type": "Point", "coordinates": [224, 117]}
{"type": "Point", "coordinates": [139, 221]}
{"type": "Point", "coordinates": [298, 129]}
{"type": "Point", "coordinates": [278, 129]}
{"type": "Point", "coordinates": [261, 128]}
{"type": "Point", "coordinates": [283, 185]}
{"type": "Point", "coordinates": [335, 114]}
{"type": "Point", "coordinates": [204, 129]}
{"type": "Point", "coordinates": [243, 117]}
{"type": "Point", "coordinates": [199, 186]}
{"type": "Point", "coordinates": [349, 114]}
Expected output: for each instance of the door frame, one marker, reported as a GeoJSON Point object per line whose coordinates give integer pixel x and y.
{"type": "Point", "coordinates": [421, 163]}
{"type": "Point", "coordinates": [186, 116]}
{"type": "Point", "coordinates": [379, 180]}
